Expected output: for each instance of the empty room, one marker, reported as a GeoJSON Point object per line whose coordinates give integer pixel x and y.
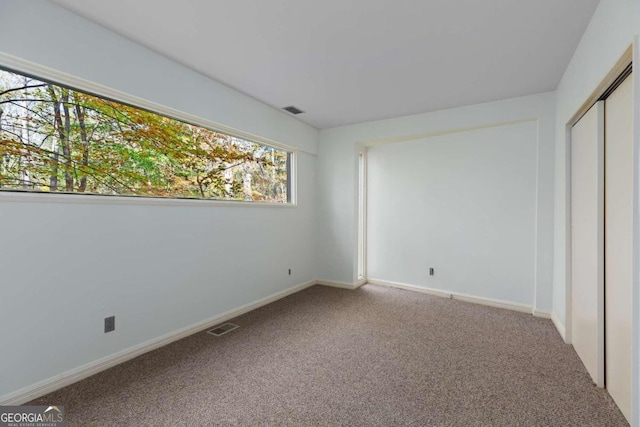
{"type": "Point", "coordinates": [319, 213]}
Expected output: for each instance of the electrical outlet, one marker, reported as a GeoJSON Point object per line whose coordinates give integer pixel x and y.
{"type": "Point", "coordinates": [289, 272]}
{"type": "Point", "coordinates": [432, 272]}
{"type": "Point", "coordinates": [109, 324]}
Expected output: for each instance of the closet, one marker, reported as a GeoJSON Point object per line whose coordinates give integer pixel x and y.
{"type": "Point", "coordinates": [601, 240]}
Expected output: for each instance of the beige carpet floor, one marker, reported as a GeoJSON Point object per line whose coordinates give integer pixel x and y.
{"type": "Point", "coordinates": [371, 357]}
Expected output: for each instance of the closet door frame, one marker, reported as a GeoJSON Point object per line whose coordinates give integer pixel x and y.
{"type": "Point", "coordinates": [630, 56]}
{"type": "Point", "coordinates": [623, 63]}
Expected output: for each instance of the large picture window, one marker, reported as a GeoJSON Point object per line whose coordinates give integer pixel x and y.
{"type": "Point", "coordinates": [61, 140]}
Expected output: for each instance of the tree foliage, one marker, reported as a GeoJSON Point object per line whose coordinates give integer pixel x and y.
{"type": "Point", "coordinates": [56, 139]}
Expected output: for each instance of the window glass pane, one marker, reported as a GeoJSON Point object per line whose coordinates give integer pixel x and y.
{"type": "Point", "coordinates": [56, 139]}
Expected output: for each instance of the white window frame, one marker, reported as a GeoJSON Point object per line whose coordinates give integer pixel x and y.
{"type": "Point", "coordinates": [38, 71]}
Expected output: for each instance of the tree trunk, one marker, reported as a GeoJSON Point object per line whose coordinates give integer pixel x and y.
{"type": "Point", "coordinates": [25, 173]}
{"type": "Point", "coordinates": [1, 159]}
{"type": "Point", "coordinates": [80, 114]}
{"type": "Point", "coordinates": [53, 179]}
{"type": "Point", "coordinates": [66, 143]}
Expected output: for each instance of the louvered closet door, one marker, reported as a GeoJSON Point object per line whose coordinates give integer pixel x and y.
{"type": "Point", "coordinates": [618, 244]}
{"type": "Point", "coordinates": [587, 240]}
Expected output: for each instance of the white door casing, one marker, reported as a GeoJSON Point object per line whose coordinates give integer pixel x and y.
{"type": "Point", "coordinates": [587, 240]}
{"type": "Point", "coordinates": [619, 245]}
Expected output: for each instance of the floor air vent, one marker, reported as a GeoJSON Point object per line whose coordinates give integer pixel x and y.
{"type": "Point", "coordinates": [222, 329]}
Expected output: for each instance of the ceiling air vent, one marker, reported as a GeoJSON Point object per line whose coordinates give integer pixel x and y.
{"type": "Point", "coordinates": [222, 329]}
{"type": "Point", "coordinates": [293, 110]}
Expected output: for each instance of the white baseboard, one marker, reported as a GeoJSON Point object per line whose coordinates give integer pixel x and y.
{"type": "Point", "coordinates": [524, 308]}
{"type": "Point", "coordinates": [414, 288]}
{"type": "Point", "coordinates": [335, 284]}
{"type": "Point", "coordinates": [41, 388]}
{"type": "Point", "coordinates": [559, 326]}
{"type": "Point", "coordinates": [514, 306]}
{"type": "Point", "coordinates": [542, 313]}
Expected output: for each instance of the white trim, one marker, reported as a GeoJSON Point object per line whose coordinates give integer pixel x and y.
{"type": "Point", "coordinates": [335, 284]}
{"type": "Point", "coordinates": [559, 326]}
{"type": "Point", "coordinates": [46, 73]}
{"type": "Point", "coordinates": [407, 287]}
{"type": "Point", "coordinates": [635, 370]}
{"type": "Point", "coordinates": [491, 302]}
{"type": "Point", "coordinates": [601, 362]}
{"type": "Point", "coordinates": [448, 131]}
{"type": "Point", "coordinates": [599, 109]}
{"type": "Point", "coordinates": [568, 257]}
{"type": "Point", "coordinates": [523, 308]}
{"type": "Point", "coordinates": [543, 314]}
{"type": "Point", "coordinates": [361, 282]}
{"type": "Point", "coordinates": [361, 269]}
{"type": "Point", "coordinates": [536, 220]}
{"type": "Point", "coordinates": [41, 388]}
{"type": "Point", "coordinates": [40, 71]}
{"type": "Point", "coordinates": [102, 199]}
{"type": "Point", "coordinates": [293, 178]}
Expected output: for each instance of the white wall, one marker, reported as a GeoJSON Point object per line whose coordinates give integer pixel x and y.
{"type": "Point", "coordinates": [462, 203]}
{"type": "Point", "coordinates": [337, 185]}
{"type": "Point", "coordinates": [64, 267]}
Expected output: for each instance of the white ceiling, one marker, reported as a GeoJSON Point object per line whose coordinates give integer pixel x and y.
{"type": "Point", "coordinates": [348, 61]}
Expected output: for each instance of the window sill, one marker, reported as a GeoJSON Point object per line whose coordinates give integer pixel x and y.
{"type": "Point", "coordinates": [96, 199]}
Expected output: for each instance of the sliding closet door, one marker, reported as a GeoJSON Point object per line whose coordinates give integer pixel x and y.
{"type": "Point", "coordinates": [587, 240]}
{"type": "Point", "coordinates": [618, 244]}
